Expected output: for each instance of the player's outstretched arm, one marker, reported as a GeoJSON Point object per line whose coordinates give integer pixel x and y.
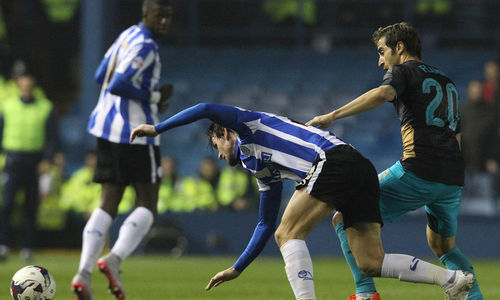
{"type": "Point", "coordinates": [369, 100]}
{"type": "Point", "coordinates": [219, 278]}
{"type": "Point", "coordinates": [143, 130]}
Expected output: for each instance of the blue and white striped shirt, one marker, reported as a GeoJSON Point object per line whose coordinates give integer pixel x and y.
{"type": "Point", "coordinates": [129, 73]}
{"type": "Point", "coordinates": [273, 148]}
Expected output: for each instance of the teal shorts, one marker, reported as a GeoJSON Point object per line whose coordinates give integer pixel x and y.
{"type": "Point", "coordinates": [402, 191]}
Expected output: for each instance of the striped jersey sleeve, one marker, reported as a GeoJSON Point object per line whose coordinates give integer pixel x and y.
{"type": "Point", "coordinates": [129, 72]}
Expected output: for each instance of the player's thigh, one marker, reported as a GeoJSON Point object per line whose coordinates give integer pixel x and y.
{"type": "Point", "coordinates": [443, 212]}
{"type": "Point", "coordinates": [301, 215]}
{"type": "Point", "coordinates": [399, 192]}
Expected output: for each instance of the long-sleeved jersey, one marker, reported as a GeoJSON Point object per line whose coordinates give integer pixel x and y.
{"type": "Point", "coordinates": [272, 148]}
{"type": "Point", "coordinates": [129, 73]}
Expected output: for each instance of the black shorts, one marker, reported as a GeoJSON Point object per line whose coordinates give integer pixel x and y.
{"type": "Point", "coordinates": [126, 164]}
{"type": "Point", "coordinates": [349, 182]}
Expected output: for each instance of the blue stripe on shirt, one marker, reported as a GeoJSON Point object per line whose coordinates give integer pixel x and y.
{"type": "Point", "coordinates": [92, 121]}
{"type": "Point", "coordinates": [125, 136]}
{"type": "Point", "coordinates": [277, 143]}
{"type": "Point", "coordinates": [298, 131]}
{"type": "Point", "coordinates": [110, 116]}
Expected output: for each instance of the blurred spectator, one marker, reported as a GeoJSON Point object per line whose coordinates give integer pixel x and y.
{"type": "Point", "coordinates": [478, 122]}
{"type": "Point", "coordinates": [289, 12]}
{"type": "Point", "coordinates": [60, 11]}
{"type": "Point", "coordinates": [491, 84]}
{"type": "Point", "coordinates": [52, 176]}
{"type": "Point", "coordinates": [80, 194]}
{"type": "Point", "coordinates": [28, 137]}
{"type": "Point", "coordinates": [168, 198]}
{"type": "Point", "coordinates": [236, 191]}
{"type": "Point", "coordinates": [198, 192]}
{"type": "Point", "coordinates": [434, 13]}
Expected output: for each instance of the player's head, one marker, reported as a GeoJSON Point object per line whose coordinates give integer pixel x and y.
{"type": "Point", "coordinates": [224, 141]}
{"type": "Point", "coordinates": [157, 16]}
{"type": "Point", "coordinates": [395, 43]}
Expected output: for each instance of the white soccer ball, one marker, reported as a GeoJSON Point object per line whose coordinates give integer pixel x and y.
{"type": "Point", "coordinates": [33, 283]}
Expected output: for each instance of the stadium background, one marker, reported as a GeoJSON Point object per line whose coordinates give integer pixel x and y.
{"type": "Point", "coordinates": [295, 58]}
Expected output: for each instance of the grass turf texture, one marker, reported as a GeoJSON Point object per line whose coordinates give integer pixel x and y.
{"type": "Point", "coordinates": [163, 277]}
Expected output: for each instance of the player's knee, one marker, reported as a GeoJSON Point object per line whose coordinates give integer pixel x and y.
{"type": "Point", "coordinates": [370, 268]}
{"type": "Point", "coordinates": [337, 218]}
{"type": "Point", "coordinates": [280, 236]}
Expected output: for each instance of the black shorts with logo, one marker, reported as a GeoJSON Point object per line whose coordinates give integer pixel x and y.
{"type": "Point", "coordinates": [349, 182]}
{"type": "Point", "coordinates": [126, 163]}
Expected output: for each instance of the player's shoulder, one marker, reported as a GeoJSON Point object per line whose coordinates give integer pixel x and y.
{"type": "Point", "coordinates": [136, 36]}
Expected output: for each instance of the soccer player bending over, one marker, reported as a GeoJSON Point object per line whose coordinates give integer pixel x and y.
{"type": "Point", "coordinates": [431, 171]}
{"type": "Point", "coordinates": [331, 175]}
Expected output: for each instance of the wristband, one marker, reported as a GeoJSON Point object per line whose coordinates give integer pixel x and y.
{"type": "Point", "coordinates": [155, 97]}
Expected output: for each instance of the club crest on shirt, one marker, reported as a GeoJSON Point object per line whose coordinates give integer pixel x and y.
{"type": "Point", "coordinates": [137, 63]}
{"type": "Point", "coordinates": [245, 150]}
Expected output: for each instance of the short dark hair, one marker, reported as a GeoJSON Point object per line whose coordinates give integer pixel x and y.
{"type": "Point", "coordinates": [214, 130]}
{"type": "Point", "coordinates": [400, 32]}
{"type": "Point", "coordinates": [147, 4]}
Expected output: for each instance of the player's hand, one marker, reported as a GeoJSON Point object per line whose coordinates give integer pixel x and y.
{"type": "Point", "coordinates": [143, 130]}
{"type": "Point", "coordinates": [322, 121]}
{"type": "Point", "coordinates": [166, 92]}
{"type": "Point", "coordinates": [226, 275]}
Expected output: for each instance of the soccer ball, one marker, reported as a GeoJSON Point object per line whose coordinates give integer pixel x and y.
{"type": "Point", "coordinates": [33, 283]}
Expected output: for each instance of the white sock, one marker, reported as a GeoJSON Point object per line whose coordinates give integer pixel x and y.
{"type": "Point", "coordinates": [409, 268]}
{"type": "Point", "coordinates": [93, 239]}
{"type": "Point", "coordinates": [132, 231]}
{"type": "Point", "coordinates": [299, 269]}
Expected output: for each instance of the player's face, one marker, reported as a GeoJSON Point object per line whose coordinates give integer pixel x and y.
{"type": "Point", "coordinates": [225, 145]}
{"type": "Point", "coordinates": [158, 19]}
{"type": "Point", "coordinates": [387, 57]}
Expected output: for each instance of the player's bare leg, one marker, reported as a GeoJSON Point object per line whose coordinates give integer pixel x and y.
{"type": "Point", "coordinates": [301, 215]}
{"type": "Point", "coordinates": [365, 286]}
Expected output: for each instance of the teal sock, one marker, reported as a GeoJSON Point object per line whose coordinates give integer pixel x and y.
{"type": "Point", "coordinates": [456, 260]}
{"type": "Point", "coordinates": [364, 284]}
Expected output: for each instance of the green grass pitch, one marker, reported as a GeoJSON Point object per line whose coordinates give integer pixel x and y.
{"type": "Point", "coordinates": [163, 277]}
